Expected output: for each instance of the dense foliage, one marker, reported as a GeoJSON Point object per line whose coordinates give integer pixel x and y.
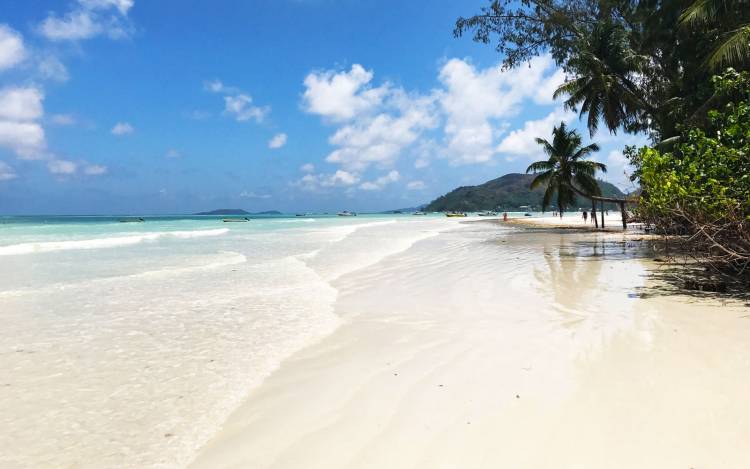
{"type": "Point", "coordinates": [633, 65]}
{"type": "Point", "coordinates": [702, 186]}
{"type": "Point", "coordinates": [649, 66]}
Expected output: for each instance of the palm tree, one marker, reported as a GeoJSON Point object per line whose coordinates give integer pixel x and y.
{"type": "Point", "coordinates": [566, 172]}
{"type": "Point", "coordinates": [605, 69]}
{"type": "Point", "coordinates": [732, 18]}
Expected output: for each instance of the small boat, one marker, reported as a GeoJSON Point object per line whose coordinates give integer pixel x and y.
{"type": "Point", "coordinates": [455, 214]}
{"type": "Point", "coordinates": [132, 220]}
{"type": "Point", "coordinates": [487, 213]}
{"type": "Point", "coordinates": [300, 214]}
{"type": "Point", "coordinates": [236, 220]}
{"type": "Point", "coordinates": [527, 214]}
{"type": "Point", "coordinates": [418, 212]}
{"type": "Point", "coordinates": [347, 213]}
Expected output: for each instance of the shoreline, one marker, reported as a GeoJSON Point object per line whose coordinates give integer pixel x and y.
{"type": "Point", "coordinates": [437, 354]}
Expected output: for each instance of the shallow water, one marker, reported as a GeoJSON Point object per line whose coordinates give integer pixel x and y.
{"type": "Point", "coordinates": [128, 344]}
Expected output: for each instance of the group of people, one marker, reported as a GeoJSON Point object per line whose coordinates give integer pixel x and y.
{"type": "Point", "coordinates": [586, 215]}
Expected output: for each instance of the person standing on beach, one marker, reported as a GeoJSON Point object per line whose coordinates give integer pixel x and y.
{"type": "Point", "coordinates": [585, 216]}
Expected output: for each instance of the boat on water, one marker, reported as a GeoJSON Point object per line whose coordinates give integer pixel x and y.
{"type": "Point", "coordinates": [347, 213]}
{"type": "Point", "coordinates": [418, 212]}
{"type": "Point", "coordinates": [488, 213]}
{"type": "Point", "coordinates": [455, 214]}
{"type": "Point", "coordinates": [236, 220]}
{"type": "Point", "coordinates": [132, 220]}
{"type": "Point", "coordinates": [527, 214]}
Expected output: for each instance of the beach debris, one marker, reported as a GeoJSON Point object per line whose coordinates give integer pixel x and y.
{"type": "Point", "coordinates": [706, 285]}
{"type": "Point", "coordinates": [168, 435]}
{"type": "Point", "coordinates": [517, 396]}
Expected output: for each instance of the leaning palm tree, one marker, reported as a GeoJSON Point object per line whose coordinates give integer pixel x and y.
{"type": "Point", "coordinates": [566, 172]}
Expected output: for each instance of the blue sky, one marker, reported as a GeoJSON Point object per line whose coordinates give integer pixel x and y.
{"type": "Point", "coordinates": [129, 106]}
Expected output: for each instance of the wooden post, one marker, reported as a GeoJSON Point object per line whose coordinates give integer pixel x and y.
{"type": "Point", "coordinates": [593, 213]}
{"type": "Point", "coordinates": [602, 206]}
{"type": "Point", "coordinates": [624, 216]}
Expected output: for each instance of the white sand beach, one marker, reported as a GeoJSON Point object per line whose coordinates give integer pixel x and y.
{"type": "Point", "coordinates": [488, 347]}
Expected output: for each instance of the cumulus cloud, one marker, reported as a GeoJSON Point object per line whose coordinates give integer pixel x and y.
{"type": "Point", "coordinates": [253, 195]}
{"type": "Point", "coordinates": [340, 178]}
{"type": "Point", "coordinates": [381, 182]}
{"type": "Point", "coordinates": [21, 104]}
{"type": "Point", "coordinates": [242, 109]}
{"type": "Point", "coordinates": [62, 167]}
{"type": "Point", "coordinates": [307, 168]}
{"type": "Point", "coordinates": [6, 172]}
{"type": "Point", "coordinates": [12, 50]}
{"type": "Point", "coordinates": [62, 119]}
{"type": "Point", "coordinates": [87, 19]}
{"type": "Point", "coordinates": [94, 170]}
{"type": "Point", "coordinates": [522, 142]}
{"type": "Point", "coordinates": [475, 100]}
{"type": "Point", "coordinates": [278, 141]}
{"type": "Point", "coordinates": [376, 124]}
{"type": "Point", "coordinates": [122, 128]}
{"type": "Point", "coordinates": [237, 104]}
{"type": "Point", "coordinates": [342, 95]}
{"type": "Point", "coordinates": [20, 131]}
{"type": "Point", "coordinates": [415, 185]}
{"type": "Point", "coordinates": [50, 68]}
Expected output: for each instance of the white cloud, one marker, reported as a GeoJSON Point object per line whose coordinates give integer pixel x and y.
{"type": "Point", "coordinates": [197, 115]}
{"type": "Point", "coordinates": [381, 139]}
{"type": "Point", "coordinates": [21, 104]}
{"type": "Point", "coordinates": [253, 195]}
{"type": "Point", "coordinates": [6, 172]}
{"type": "Point", "coordinates": [20, 110]}
{"type": "Point", "coordinates": [240, 106]}
{"type": "Point", "coordinates": [278, 141]}
{"type": "Point", "coordinates": [315, 182]}
{"type": "Point", "coordinates": [376, 123]}
{"type": "Point", "coordinates": [89, 18]}
{"type": "Point", "coordinates": [63, 119]}
{"type": "Point", "coordinates": [343, 95]}
{"type": "Point", "coordinates": [307, 168]}
{"type": "Point", "coordinates": [122, 128]}
{"type": "Point", "coordinates": [95, 170]}
{"type": "Point", "coordinates": [24, 138]}
{"type": "Point", "coordinates": [474, 100]}
{"type": "Point", "coordinates": [379, 183]}
{"type": "Point", "coordinates": [214, 86]}
{"type": "Point", "coordinates": [172, 153]}
{"type": "Point", "coordinates": [522, 141]}
{"type": "Point", "coordinates": [62, 167]}
{"type": "Point", "coordinates": [415, 185]}
{"type": "Point", "coordinates": [50, 68]}
{"type": "Point", "coordinates": [12, 50]}
{"type": "Point", "coordinates": [123, 6]}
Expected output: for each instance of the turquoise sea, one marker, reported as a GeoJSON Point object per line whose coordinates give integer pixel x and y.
{"type": "Point", "coordinates": [128, 344]}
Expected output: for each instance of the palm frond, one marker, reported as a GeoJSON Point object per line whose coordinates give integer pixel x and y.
{"type": "Point", "coordinates": [734, 50]}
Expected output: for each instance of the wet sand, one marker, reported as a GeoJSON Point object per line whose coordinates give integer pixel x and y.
{"type": "Point", "coordinates": [489, 347]}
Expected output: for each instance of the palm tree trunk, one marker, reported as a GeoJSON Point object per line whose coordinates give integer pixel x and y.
{"type": "Point", "coordinates": [593, 213]}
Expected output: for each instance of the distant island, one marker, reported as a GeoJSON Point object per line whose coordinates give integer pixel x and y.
{"type": "Point", "coordinates": [237, 211]}
{"type": "Point", "coordinates": [504, 193]}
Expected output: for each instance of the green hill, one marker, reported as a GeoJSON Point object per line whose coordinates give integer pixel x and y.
{"type": "Point", "coordinates": [504, 193]}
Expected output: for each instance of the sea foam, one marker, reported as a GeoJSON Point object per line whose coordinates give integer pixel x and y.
{"type": "Point", "coordinates": [102, 243]}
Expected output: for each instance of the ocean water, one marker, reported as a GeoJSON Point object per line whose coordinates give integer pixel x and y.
{"type": "Point", "coordinates": [128, 344]}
